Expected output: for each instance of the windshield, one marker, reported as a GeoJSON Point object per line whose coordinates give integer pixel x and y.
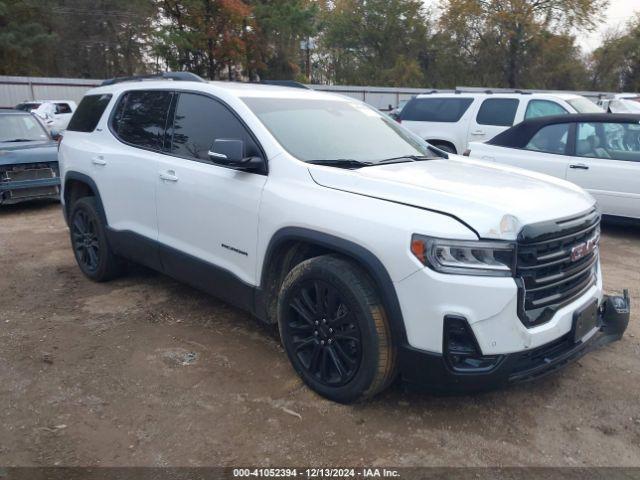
{"type": "Point", "coordinates": [21, 128]}
{"type": "Point", "coordinates": [312, 129]}
{"type": "Point", "coordinates": [583, 105]}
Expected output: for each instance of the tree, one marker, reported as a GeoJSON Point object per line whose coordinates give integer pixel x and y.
{"type": "Point", "coordinates": [208, 37]}
{"type": "Point", "coordinates": [376, 42]}
{"type": "Point", "coordinates": [23, 38]}
{"type": "Point", "coordinates": [615, 65]}
{"type": "Point", "coordinates": [512, 32]}
{"type": "Point", "coordinates": [281, 26]}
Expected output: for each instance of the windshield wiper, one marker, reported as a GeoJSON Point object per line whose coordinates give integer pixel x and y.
{"type": "Point", "coordinates": [17, 140]}
{"type": "Point", "coordinates": [404, 159]}
{"type": "Point", "coordinates": [342, 162]}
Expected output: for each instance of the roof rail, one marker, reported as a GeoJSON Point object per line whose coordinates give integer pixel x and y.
{"type": "Point", "coordinates": [285, 83]}
{"type": "Point", "coordinates": [176, 76]}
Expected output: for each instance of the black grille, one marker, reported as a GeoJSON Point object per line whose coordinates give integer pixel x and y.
{"type": "Point", "coordinates": [548, 273]}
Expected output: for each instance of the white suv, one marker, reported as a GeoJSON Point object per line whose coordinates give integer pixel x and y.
{"type": "Point", "coordinates": [373, 252]}
{"type": "Point", "coordinates": [451, 120]}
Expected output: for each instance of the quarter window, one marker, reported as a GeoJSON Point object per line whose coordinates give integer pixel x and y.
{"type": "Point", "coordinates": [62, 108]}
{"type": "Point", "coordinates": [140, 118]}
{"type": "Point", "coordinates": [616, 141]}
{"type": "Point", "coordinates": [435, 109]}
{"type": "Point", "coordinates": [88, 114]}
{"type": "Point", "coordinates": [199, 121]}
{"type": "Point", "coordinates": [543, 108]}
{"type": "Point", "coordinates": [550, 139]}
{"type": "Point", "coordinates": [498, 111]}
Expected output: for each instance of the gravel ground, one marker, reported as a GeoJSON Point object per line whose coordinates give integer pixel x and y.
{"type": "Point", "coordinates": [144, 371]}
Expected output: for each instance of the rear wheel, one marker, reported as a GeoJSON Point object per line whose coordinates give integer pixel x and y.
{"type": "Point", "coordinates": [89, 241]}
{"type": "Point", "coordinates": [335, 330]}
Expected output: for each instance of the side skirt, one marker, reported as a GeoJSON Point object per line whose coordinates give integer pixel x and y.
{"type": "Point", "coordinates": [184, 267]}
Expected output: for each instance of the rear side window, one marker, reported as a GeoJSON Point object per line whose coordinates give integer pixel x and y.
{"type": "Point", "coordinates": [435, 109]}
{"type": "Point", "coordinates": [199, 120]}
{"type": "Point", "coordinates": [62, 108]}
{"type": "Point", "coordinates": [88, 114]}
{"type": "Point", "coordinates": [550, 139]}
{"type": "Point", "coordinates": [498, 111]}
{"type": "Point", "coordinates": [543, 108]}
{"type": "Point", "coordinates": [140, 118]}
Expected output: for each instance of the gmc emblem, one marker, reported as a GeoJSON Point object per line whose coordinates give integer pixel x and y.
{"type": "Point", "coordinates": [584, 249]}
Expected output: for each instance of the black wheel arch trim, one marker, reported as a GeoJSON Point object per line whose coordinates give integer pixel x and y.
{"type": "Point", "coordinates": [86, 179]}
{"type": "Point", "coordinates": [364, 257]}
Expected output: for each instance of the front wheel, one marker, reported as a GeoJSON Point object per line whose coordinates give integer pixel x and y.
{"type": "Point", "coordinates": [335, 330]}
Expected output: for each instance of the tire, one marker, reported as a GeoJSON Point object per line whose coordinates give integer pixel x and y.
{"type": "Point", "coordinates": [341, 347]}
{"type": "Point", "coordinates": [89, 242]}
{"type": "Point", "coordinates": [445, 147]}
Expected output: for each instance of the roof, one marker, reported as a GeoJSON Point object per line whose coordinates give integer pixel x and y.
{"type": "Point", "coordinates": [489, 94]}
{"type": "Point", "coordinates": [235, 89]}
{"type": "Point", "coordinates": [519, 134]}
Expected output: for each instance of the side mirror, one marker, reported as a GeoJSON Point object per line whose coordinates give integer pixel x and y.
{"type": "Point", "coordinates": [55, 135]}
{"type": "Point", "coordinates": [231, 153]}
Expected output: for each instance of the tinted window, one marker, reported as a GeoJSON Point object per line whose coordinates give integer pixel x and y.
{"type": "Point", "coordinates": [498, 111]}
{"type": "Point", "coordinates": [63, 108]}
{"type": "Point", "coordinates": [27, 107]}
{"type": "Point", "coordinates": [435, 109]}
{"type": "Point", "coordinates": [551, 139]}
{"type": "Point", "coordinates": [617, 141]}
{"type": "Point", "coordinates": [543, 108]}
{"type": "Point", "coordinates": [200, 120]}
{"type": "Point", "coordinates": [88, 113]}
{"type": "Point", "coordinates": [140, 118]}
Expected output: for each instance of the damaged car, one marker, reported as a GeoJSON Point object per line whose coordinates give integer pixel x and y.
{"type": "Point", "coordinates": [28, 159]}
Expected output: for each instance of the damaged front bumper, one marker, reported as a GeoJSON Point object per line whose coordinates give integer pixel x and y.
{"type": "Point", "coordinates": [434, 372]}
{"type": "Point", "coordinates": [27, 182]}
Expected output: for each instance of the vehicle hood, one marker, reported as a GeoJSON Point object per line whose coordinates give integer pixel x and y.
{"type": "Point", "coordinates": [28, 152]}
{"type": "Point", "coordinates": [494, 200]}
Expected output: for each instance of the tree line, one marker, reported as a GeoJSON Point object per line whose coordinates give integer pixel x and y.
{"type": "Point", "coordinates": [498, 43]}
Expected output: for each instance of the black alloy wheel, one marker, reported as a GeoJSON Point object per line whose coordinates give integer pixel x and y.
{"type": "Point", "coordinates": [324, 333]}
{"type": "Point", "coordinates": [85, 241]}
{"type": "Point", "coordinates": [335, 330]}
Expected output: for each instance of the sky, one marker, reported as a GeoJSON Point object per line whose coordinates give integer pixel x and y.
{"type": "Point", "coordinates": [618, 13]}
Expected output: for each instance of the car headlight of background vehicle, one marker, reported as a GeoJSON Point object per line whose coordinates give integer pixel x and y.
{"type": "Point", "coordinates": [465, 257]}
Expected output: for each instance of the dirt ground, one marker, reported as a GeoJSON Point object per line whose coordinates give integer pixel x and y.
{"type": "Point", "coordinates": [144, 371]}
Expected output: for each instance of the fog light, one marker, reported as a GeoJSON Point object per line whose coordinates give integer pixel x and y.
{"type": "Point", "coordinates": [461, 350]}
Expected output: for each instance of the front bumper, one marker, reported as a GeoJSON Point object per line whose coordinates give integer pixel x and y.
{"type": "Point", "coordinates": [12, 192]}
{"type": "Point", "coordinates": [431, 371]}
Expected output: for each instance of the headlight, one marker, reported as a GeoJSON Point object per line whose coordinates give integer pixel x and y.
{"type": "Point", "coordinates": [465, 257]}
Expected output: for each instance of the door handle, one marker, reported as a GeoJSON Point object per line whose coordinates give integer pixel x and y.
{"type": "Point", "coordinates": [579, 166]}
{"type": "Point", "coordinates": [477, 132]}
{"type": "Point", "coordinates": [169, 176]}
{"type": "Point", "coordinates": [99, 160]}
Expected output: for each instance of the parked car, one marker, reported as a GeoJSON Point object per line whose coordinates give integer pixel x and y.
{"type": "Point", "coordinates": [28, 159]}
{"type": "Point", "coordinates": [54, 113]}
{"type": "Point", "coordinates": [621, 105]}
{"type": "Point", "coordinates": [374, 253]}
{"type": "Point", "coordinates": [395, 112]}
{"type": "Point", "coordinates": [451, 120]}
{"type": "Point", "coordinates": [598, 152]}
